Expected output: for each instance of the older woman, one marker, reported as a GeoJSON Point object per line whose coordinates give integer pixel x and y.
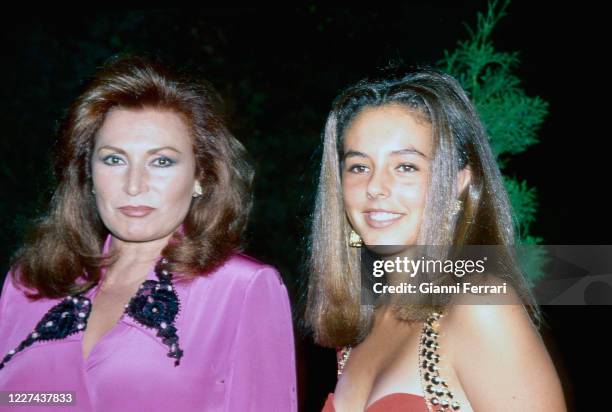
{"type": "Point", "coordinates": [131, 293]}
{"type": "Point", "coordinates": [407, 163]}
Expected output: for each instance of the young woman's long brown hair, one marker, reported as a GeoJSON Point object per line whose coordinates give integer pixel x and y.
{"type": "Point", "coordinates": [67, 242]}
{"type": "Point", "coordinates": [334, 310]}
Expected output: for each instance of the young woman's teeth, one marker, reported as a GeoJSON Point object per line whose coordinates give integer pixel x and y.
{"type": "Point", "coordinates": [382, 216]}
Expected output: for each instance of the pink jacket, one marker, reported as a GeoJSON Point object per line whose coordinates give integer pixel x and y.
{"type": "Point", "coordinates": [234, 327]}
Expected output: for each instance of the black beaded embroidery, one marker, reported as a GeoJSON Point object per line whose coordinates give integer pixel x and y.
{"type": "Point", "coordinates": [62, 320]}
{"type": "Point", "coordinates": [155, 306]}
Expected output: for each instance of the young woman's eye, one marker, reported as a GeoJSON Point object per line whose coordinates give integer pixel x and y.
{"type": "Point", "coordinates": [407, 168]}
{"type": "Point", "coordinates": [112, 160]}
{"type": "Point", "coordinates": [358, 169]}
{"type": "Point", "coordinates": [163, 161]}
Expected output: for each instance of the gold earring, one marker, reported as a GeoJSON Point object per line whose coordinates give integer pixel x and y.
{"type": "Point", "coordinates": [457, 207]}
{"type": "Point", "coordinates": [354, 239]}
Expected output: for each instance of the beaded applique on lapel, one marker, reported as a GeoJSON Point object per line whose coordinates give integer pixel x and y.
{"type": "Point", "coordinates": [155, 306]}
{"type": "Point", "coordinates": [62, 320]}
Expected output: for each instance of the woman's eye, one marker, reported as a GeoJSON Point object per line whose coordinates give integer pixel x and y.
{"type": "Point", "coordinates": [163, 161]}
{"type": "Point", "coordinates": [406, 167]}
{"type": "Point", "coordinates": [358, 169]}
{"type": "Point", "coordinates": [112, 160]}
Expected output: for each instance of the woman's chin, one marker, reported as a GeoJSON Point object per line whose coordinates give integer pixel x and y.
{"type": "Point", "coordinates": [386, 249]}
{"type": "Point", "coordinates": [131, 235]}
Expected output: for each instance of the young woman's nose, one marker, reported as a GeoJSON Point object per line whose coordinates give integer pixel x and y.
{"type": "Point", "coordinates": [378, 185]}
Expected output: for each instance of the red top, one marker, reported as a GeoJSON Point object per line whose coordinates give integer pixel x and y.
{"type": "Point", "coordinates": [395, 402]}
{"type": "Point", "coordinates": [399, 401]}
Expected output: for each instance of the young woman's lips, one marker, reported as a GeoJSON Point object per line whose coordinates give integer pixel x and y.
{"type": "Point", "coordinates": [136, 211]}
{"type": "Point", "coordinates": [381, 218]}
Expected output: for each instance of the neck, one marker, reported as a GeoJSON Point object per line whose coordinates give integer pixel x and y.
{"type": "Point", "coordinates": [135, 260]}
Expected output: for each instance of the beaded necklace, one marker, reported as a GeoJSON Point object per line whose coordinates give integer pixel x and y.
{"type": "Point", "coordinates": [154, 306]}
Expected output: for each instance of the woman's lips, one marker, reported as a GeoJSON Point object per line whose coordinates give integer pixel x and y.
{"type": "Point", "coordinates": [380, 219]}
{"type": "Point", "coordinates": [136, 211]}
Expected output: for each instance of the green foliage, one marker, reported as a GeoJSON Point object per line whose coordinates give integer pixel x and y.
{"type": "Point", "coordinates": [511, 118]}
{"type": "Point", "coordinates": [524, 206]}
{"type": "Point", "coordinates": [523, 201]}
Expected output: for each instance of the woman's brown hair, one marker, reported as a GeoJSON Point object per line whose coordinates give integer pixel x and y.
{"type": "Point", "coordinates": [67, 242]}
{"type": "Point", "coordinates": [334, 311]}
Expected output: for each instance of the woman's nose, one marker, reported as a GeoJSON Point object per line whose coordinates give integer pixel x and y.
{"type": "Point", "coordinates": [136, 180]}
{"type": "Point", "coordinates": [378, 186]}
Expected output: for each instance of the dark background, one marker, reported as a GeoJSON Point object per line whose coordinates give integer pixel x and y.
{"type": "Point", "coordinates": [278, 70]}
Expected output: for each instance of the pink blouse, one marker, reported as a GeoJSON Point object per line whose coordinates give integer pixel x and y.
{"type": "Point", "coordinates": [234, 326]}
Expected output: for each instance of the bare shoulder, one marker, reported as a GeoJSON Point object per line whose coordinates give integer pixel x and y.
{"type": "Point", "coordinates": [499, 356]}
{"type": "Point", "coordinates": [480, 321]}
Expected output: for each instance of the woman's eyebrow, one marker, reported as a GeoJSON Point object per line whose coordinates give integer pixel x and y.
{"type": "Point", "coordinates": [409, 151]}
{"type": "Point", "coordinates": [151, 151]}
{"type": "Point", "coordinates": [353, 153]}
{"type": "Point", "coordinates": [162, 148]}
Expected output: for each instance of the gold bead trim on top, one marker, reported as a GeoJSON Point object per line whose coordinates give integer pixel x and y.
{"type": "Point", "coordinates": [437, 395]}
{"type": "Point", "coordinates": [345, 352]}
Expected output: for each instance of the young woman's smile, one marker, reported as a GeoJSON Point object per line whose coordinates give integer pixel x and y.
{"type": "Point", "coordinates": [380, 218]}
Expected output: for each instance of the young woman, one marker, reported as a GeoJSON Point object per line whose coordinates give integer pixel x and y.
{"type": "Point", "coordinates": [406, 162]}
{"type": "Point", "coordinates": [131, 293]}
